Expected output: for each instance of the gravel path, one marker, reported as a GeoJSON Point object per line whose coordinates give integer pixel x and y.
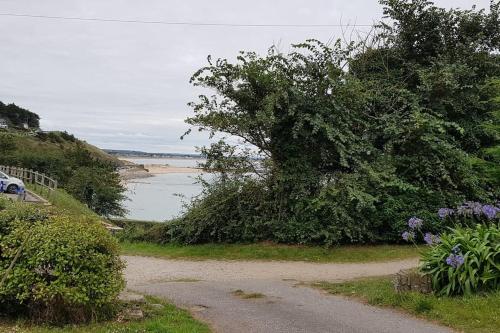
{"type": "Point", "coordinates": [207, 288]}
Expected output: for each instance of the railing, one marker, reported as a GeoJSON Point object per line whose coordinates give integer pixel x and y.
{"type": "Point", "coordinates": [40, 181]}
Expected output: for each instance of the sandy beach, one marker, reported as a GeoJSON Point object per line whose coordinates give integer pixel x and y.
{"type": "Point", "coordinates": [138, 171]}
{"type": "Point", "coordinates": [157, 169]}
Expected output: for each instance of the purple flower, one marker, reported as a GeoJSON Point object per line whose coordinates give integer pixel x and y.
{"type": "Point", "coordinates": [490, 211]}
{"type": "Point", "coordinates": [455, 260]}
{"type": "Point", "coordinates": [431, 239]}
{"type": "Point", "coordinates": [408, 235]}
{"type": "Point", "coordinates": [463, 210]}
{"type": "Point", "coordinates": [444, 212]}
{"type": "Point", "coordinates": [415, 223]}
{"type": "Point", "coordinates": [475, 207]}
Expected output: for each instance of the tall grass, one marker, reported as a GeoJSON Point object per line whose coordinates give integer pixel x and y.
{"type": "Point", "coordinates": [65, 202]}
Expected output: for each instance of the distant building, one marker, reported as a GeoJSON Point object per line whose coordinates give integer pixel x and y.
{"type": "Point", "coordinates": [3, 124]}
{"type": "Point", "coordinates": [26, 126]}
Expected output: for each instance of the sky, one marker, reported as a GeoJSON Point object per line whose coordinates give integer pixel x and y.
{"type": "Point", "coordinates": [126, 85]}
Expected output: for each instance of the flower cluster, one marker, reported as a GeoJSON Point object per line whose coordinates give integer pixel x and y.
{"type": "Point", "coordinates": [431, 239]}
{"type": "Point", "coordinates": [415, 223]}
{"type": "Point", "coordinates": [455, 259]}
{"type": "Point", "coordinates": [408, 235]}
{"type": "Point", "coordinates": [444, 212]}
{"type": "Point", "coordinates": [490, 211]}
{"type": "Point", "coordinates": [469, 209]}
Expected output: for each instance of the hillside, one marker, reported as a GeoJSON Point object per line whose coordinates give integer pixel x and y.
{"type": "Point", "coordinates": [52, 145]}
{"type": "Point", "coordinates": [84, 171]}
{"type": "Point", "coordinates": [64, 141]}
{"type": "Point", "coordinates": [142, 154]}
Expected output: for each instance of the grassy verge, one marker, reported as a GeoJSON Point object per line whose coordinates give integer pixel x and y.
{"type": "Point", "coordinates": [478, 314]}
{"type": "Point", "coordinates": [265, 251]}
{"type": "Point", "coordinates": [65, 202]}
{"type": "Point", "coordinates": [168, 318]}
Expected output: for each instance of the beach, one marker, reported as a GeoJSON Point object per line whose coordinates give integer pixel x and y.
{"type": "Point", "coordinates": [134, 170]}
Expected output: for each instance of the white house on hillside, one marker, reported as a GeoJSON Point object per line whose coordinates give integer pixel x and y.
{"type": "Point", "coordinates": [3, 124]}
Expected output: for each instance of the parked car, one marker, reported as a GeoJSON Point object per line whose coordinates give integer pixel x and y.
{"type": "Point", "coordinates": [10, 184]}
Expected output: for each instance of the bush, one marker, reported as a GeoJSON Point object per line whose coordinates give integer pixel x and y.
{"type": "Point", "coordinates": [228, 211]}
{"type": "Point", "coordinates": [357, 208]}
{"type": "Point", "coordinates": [465, 261]}
{"type": "Point", "coordinates": [68, 270]}
{"type": "Point", "coordinates": [139, 231]}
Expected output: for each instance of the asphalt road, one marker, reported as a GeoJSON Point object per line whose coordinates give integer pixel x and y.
{"type": "Point", "coordinates": [287, 304]}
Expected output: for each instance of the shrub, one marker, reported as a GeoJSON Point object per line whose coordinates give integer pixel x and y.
{"type": "Point", "coordinates": [228, 211]}
{"type": "Point", "coordinates": [465, 261]}
{"type": "Point", "coordinates": [68, 270]}
{"type": "Point", "coordinates": [357, 208]}
{"type": "Point", "coordinates": [138, 231]}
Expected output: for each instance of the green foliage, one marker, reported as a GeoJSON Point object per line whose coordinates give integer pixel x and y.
{"type": "Point", "coordinates": [354, 138]}
{"type": "Point", "coordinates": [66, 203]}
{"type": "Point", "coordinates": [488, 161]}
{"type": "Point", "coordinates": [7, 143]}
{"type": "Point", "coordinates": [68, 269]}
{"type": "Point", "coordinates": [99, 188]}
{"type": "Point", "coordinates": [166, 318]}
{"type": "Point", "coordinates": [82, 170]}
{"type": "Point", "coordinates": [480, 271]}
{"type": "Point", "coordinates": [17, 116]}
{"type": "Point", "coordinates": [229, 211]}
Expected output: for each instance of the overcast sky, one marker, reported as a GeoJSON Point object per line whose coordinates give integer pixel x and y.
{"type": "Point", "coordinates": [125, 85]}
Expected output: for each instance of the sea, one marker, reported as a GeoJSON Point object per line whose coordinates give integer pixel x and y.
{"type": "Point", "coordinates": [161, 197]}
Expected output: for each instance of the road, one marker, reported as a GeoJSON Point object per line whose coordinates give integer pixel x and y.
{"type": "Point", "coordinates": [206, 288]}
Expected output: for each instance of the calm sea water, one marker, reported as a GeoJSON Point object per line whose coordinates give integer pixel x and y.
{"type": "Point", "coordinates": [161, 197]}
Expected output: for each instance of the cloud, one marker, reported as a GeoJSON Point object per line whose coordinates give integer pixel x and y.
{"type": "Point", "coordinates": [126, 86]}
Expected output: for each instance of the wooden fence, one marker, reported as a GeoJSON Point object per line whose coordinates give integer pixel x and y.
{"type": "Point", "coordinates": [39, 181]}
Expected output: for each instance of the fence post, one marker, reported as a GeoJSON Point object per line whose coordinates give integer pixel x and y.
{"type": "Point", "coordinates": [39, 181]}
{"type": "Point", "coordinates": [36, 179]}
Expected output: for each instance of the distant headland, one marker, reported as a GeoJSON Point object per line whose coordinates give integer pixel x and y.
{"type": "Point", "coordinates": [142, 154]}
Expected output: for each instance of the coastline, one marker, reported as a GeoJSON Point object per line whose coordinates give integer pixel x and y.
{"type": "Point", "coordinates": [157, 169]}
{"type": "Point", "coordinates": [132, 170]}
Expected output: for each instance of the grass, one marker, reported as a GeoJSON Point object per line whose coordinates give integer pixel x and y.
{"type": "Point", "coordinates": [166, 319]}
{"type": "Point", "coordinates": [478, 313]}
{"type": "Point", "coordinates": [241, 294]}
{"type": "Point", "coordinates": [64, 202]}
{"type": "Point", "coordinates": [269, 251]}
{"type": "Point", "coordinates": [33, 145]}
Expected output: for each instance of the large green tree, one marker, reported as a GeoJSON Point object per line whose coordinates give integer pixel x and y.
{"type": "Point", "coordinates": [18, 116]}
{"type": "Point", "coordinates": [355, 138]}
{"type": "Point", "coordinates": [99, 188]}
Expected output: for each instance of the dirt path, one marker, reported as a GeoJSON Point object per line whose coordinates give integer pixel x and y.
{"type": "Point", "coordinates": [207, 288]}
